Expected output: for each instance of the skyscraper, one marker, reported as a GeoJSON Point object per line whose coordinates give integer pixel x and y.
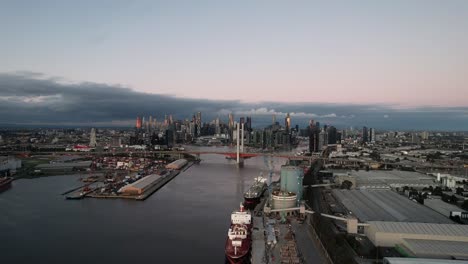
{"type": "Point", "coordinates": [231, 122]}
{"type": "Point", "coordinates": [199, 123]}
{"type": "Point", "coordinates": [332, 137]}
{"type": "Point", "coordinates": [313, 137]}
{"type": "Point", "coordinates": [92, 138]}
{"type": "Point", "coordinates": [365, 135]}
{"type": "Point", "coordinates": [138, 122]}
{"type": "Point", "coordinates": [287, 123]}
{"type": "Point", "coordinates": [372, 135]}
{"type": "Point", "coordinates": [248, 124]}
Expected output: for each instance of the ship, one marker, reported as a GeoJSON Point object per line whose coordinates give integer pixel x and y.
{"type": "Point", "coordinates": [238, 242]}
{"type": "Point", "coordinates": [252, 196]}
{"type": "Point", "coordinates": [5, 182]}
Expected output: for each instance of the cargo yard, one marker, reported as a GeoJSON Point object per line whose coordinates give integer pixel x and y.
{"type": "Point", "coordinates": [129, 179]}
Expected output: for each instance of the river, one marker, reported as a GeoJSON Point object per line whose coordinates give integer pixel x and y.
{"type": "Point", "coordinates": [186, 221]}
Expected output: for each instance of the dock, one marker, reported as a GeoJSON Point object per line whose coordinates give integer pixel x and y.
{"type": "Point", "coordinates": [77, 193]}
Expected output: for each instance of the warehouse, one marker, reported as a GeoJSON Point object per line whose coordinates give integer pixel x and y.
{"type": "Point", "coordinates": [389, 234]}
{"type": "Point", "coordinates": [386, 205]}
{"type": "Point", "coordinates": [65, 166]}
{"type": "Point", "coordinates": [442, 207]}
{"type": "Point", "coordinates": [435, 248]}
{"type": "Point", "coordinates": [388, 179]}
{"type": "Point", "coordinates": [177, 165]}
{"type": "Point", "coordinates": [141, 185]}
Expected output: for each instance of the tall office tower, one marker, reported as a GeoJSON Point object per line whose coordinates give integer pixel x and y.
{"type": "Point", "coordinates": [92, 138]}
{"type": "Point", "coordinates": [372, 135]}
{"type": "Point", "coordinates": [138, 122]}
{"type": "Point", "coordinates": [231, 122]}
{"type": "Point", "coordinates": [287, 123]}
{"type": "Point", "coordinates": [171, 120]}
{"type": "Point", "coordinates": [217, 127]}
{"type": "Point", "coordinates": [365, 135]}
{"type": "Point", "coordinates": [248, 124]}
{"type": "Point", "coordinates": [199, 123]}
{"type": "Point", "coordinates": [313, 138]}
{"type": "Point", "coordinates": [150, 123]}
{"type": "Point", "coordinates": [241, 121]}
{"type": "Point", "coordinates": [322, 140]}
{"type": "Point", "coordinates": [332, 135]}
{"type": "Point", "coordinates": [143, 121]}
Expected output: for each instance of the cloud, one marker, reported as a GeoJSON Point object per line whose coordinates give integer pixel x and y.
{"type": "Point", "coordinates": [35, 99]}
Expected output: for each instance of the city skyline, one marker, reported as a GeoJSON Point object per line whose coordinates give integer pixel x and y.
{"type": "Point", "coordinates": [408, 54]}
{"type": "Point", "coordinates": [32, 99]}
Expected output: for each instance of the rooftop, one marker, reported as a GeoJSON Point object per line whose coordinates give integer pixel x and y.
{"type": "Point", "coordinates": [445, 230]}
{"type": "Point", "coordinates": [441, 206]}
{"type": "Point", "coordinates": [145, 181]}
{"type": "Point", "coordinates": [437, 248]}
{"type": "Point", "coordinates": [386, 205]}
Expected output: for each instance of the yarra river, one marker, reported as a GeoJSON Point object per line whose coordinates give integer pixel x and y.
{"type": "Point", "coordinates": [186, 221]}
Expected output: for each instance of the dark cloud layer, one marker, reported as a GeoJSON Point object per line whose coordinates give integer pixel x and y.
{"type": "Point", "coordinates": [30, 98]}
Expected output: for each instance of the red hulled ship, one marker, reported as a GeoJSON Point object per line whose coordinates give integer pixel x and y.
{"type": "Point", "coordinates": [238, 242]}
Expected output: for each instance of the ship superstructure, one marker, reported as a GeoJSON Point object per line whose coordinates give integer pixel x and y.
{"type": "Point", "coordinates": [239, 241]}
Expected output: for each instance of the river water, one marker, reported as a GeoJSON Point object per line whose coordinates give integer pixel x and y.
{"type": "Point", "coordinates": [186, 221]}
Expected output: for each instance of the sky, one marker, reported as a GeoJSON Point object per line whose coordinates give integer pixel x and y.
{"type": "Point", "coordinates": [408, 59]}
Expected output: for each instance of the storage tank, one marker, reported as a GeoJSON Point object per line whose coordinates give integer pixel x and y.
{"type": "Point", "coordinates": [291, 180]}
{"type": "Point", "coordinates": [282, 200]}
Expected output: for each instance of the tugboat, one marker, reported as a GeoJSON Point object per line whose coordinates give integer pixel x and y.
{"type": "Point", "coordinates": [239, 239]}
{"type": "Point", "coordinates": [255, 192]}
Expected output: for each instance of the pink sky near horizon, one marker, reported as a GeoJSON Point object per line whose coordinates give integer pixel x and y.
{"type": "Point", "coordinates": [406, 53]}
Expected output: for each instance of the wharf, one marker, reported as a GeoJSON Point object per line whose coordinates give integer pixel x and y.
{"type": "Point", "coordinates": [79, 193]}
{"type": "Point", "coordinates": [140, 197]}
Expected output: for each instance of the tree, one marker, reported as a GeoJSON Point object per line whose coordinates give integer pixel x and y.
{"type": "Point", "coordinates": [460, 191]}
{"type": "Point", "coordinates": [346, 185]}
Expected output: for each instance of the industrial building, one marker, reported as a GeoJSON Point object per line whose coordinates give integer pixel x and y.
{"type": "Point", "coordinates": [442, 207]}
{"type": "Point", "coordinates": [65, 166]}
{"type": "Point", "coordinates": [141, 185]}
{"type": "Point", "coordinates": [386, 205]}
{"type": "Point", "coordinates": [177, 165]}
{"type": "Point", "coordinates": [421, 239]}
{"type": "Point", "coordinates": [291, 180]}
{"type": "Point", "coordinates": [283, 200]}
{"type": "Point", "coordinates": [386, 179]}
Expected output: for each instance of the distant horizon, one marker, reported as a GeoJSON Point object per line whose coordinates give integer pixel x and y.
{"type": "Point", "coordinates": [32, 99]}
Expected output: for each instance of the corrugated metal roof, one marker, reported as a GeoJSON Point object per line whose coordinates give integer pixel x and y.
{"type": "Point", "coordinates": [386, 205]}
{"type": "Point", "coordinates": [441, 206]}
{"type": "Point", "coordinates": [420, 228]}
{"type": "Point", "coordinates": [178, 162]}
{"type": "Point", "coordinates": [422, 247]}
{"type": "Point", "coordinates": [145, 181]}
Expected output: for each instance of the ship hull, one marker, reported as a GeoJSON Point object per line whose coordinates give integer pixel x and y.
{"type": "Point", "coordinates": [241, 256]}
{"type": "Point", "coordinates": [5, 184]}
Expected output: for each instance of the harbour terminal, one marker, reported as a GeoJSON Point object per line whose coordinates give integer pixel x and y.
{"type": "Point", "coordinates": [298, 196]}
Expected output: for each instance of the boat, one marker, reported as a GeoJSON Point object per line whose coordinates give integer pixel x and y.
{"type": "Point", "coordinates": [5, 182]}
{"type": "Point", "coordinates": [252, 196]}
{"type": "Point", "coordinates": [239, 239]}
